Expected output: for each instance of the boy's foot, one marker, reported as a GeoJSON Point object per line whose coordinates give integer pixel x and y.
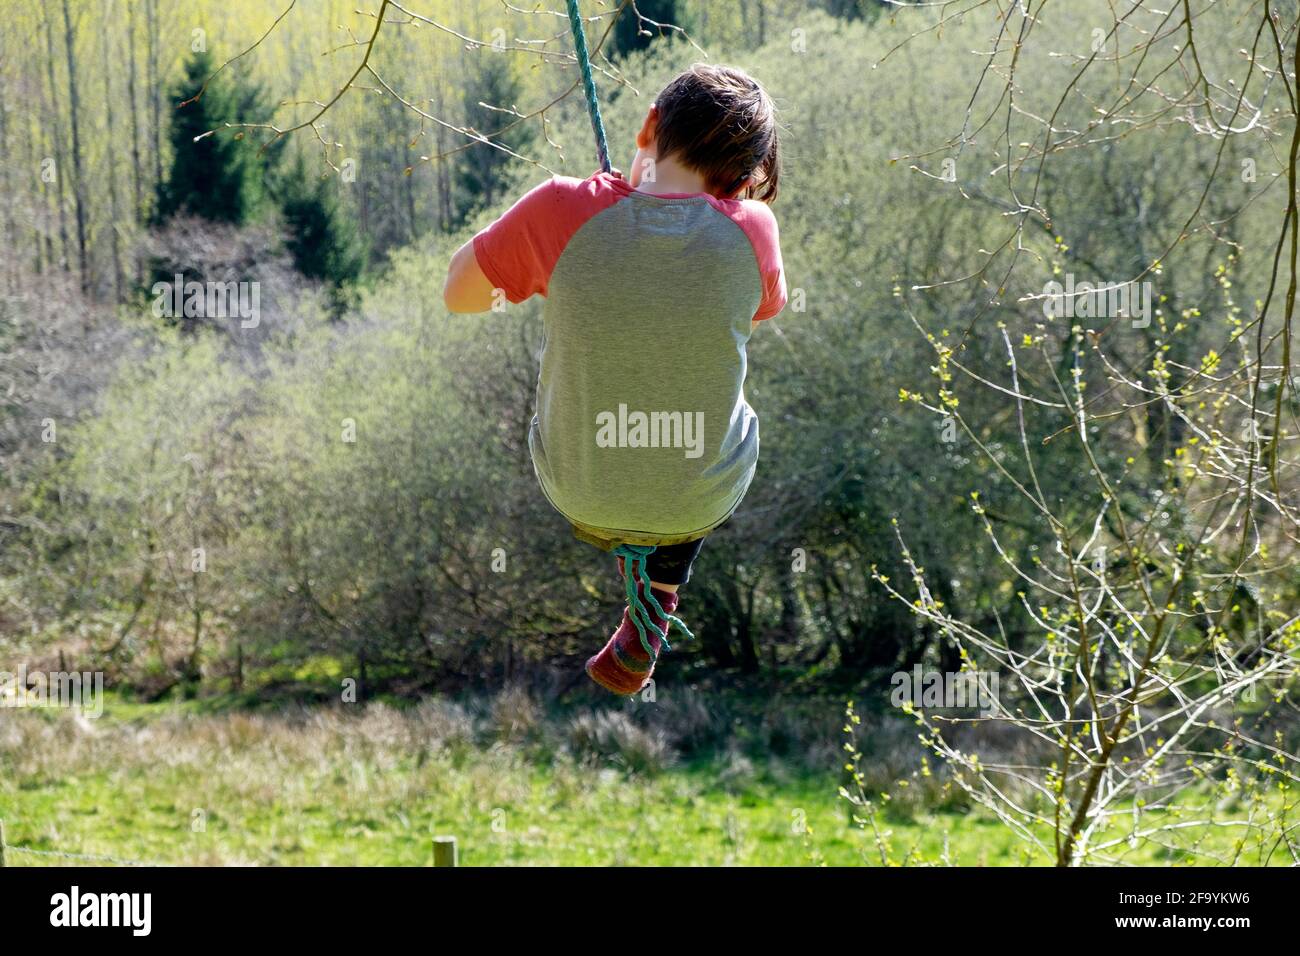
{"type": "Point", "coordinates": [623, 666]}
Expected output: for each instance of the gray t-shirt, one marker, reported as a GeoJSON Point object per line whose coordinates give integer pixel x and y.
{"type": "Point", "coordinates": [642, 431]}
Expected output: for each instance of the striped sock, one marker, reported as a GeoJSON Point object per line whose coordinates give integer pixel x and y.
{"type": "Point", "coordinates": [623, 666]}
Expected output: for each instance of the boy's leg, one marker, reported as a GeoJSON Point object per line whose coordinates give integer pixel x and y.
{"type": "Point", "coordinates": [669, 566]}
{"type": "Point", "coordinates": [624, 665]}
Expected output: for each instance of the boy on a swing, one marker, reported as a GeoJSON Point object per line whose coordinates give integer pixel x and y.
{"type": "Point", "coordinates": [643, 439]}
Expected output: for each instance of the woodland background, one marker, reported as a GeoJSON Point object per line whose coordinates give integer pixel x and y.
{"type": "Point", "coordinates": [221, 518]}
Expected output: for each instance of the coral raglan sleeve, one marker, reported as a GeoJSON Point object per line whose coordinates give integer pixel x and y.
{"type": "Point", "coordinates": [766, 239]}
{"type": "Point", "coordinates": [519, 250]}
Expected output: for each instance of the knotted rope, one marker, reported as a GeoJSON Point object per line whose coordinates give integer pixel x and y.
{"type": "Point", "coordinates": [634, 575]}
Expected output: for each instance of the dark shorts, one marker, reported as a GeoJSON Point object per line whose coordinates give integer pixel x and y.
{"type": "Point", "coordinates": [667, 564]}
{"type": "Point", "coordinates": [671, 563]}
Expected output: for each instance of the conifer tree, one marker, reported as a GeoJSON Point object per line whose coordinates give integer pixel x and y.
{"type": "Point", "coordinates": [218, 176]}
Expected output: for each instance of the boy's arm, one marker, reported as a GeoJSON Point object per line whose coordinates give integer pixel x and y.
{"type": "Point", "coordinates": [512, 259]}
{"type": "Point", "coordinates": [760, 225]}
{"type": "Point", "coordinates": [467, 289]}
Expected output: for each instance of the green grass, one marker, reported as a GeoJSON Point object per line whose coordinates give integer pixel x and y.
{"type": "Point", "coordinates": [187, 783]}
{"type": "Point", "coordinates": [177, 783]}
{"type": "Point", "coordinates": [676, 819]}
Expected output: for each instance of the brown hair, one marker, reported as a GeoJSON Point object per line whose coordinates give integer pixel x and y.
{"type": "Point", "coordinates": [722, 125]}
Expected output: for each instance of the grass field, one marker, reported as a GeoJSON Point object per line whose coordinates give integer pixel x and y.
{"type": "Point", "coordinates": [176, 784]}
{"type": "Point", "coordinates": [183, 783]}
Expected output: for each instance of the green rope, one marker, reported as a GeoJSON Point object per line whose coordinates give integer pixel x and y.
{"type": "Point", "coordinates": [589, 85]}
{"type": "Point", "coordinates": [634, 573]}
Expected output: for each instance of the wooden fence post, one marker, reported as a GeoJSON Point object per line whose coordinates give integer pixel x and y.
{"type": "Point", "coordinates": [444, 851]}
{"type": "Point", "coordinates": [2, 843]}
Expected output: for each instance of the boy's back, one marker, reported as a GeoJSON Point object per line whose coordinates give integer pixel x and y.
{"type": "Point", "coordinates": [643, 438]}
{"type": "Point", "coordinates": [642, 429]}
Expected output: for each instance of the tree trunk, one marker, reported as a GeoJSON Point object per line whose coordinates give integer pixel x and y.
{"type": "Point", "coordinates": [114, 245]}
{"type": "Point", "coordinates": [78, 181]}
{"type": "Point", "coordinates": [11, 231]}
{"type": "Point", "coordinates": [789, 630]}
{"type": "Point", "coordinates": [53, 113]}
{"type": "Point", "coordinates": [745, 633]}
{"type": "Point", "coordinates": [155, 95]}
{"type": "Point", "coordinates": [132, 106]}
{"type": "Point", "coordinates": [414, 231]}
{"type": "Point", "coordinates": [442, 170]}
